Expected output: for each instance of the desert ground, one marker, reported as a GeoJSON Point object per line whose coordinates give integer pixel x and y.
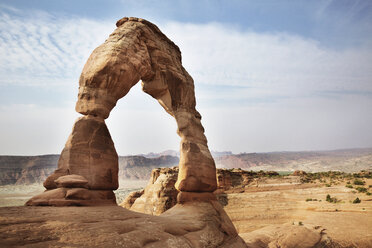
{"type": "Point", "coordinates": [288, 201]}
{"type": "Point", "coordinates": [269, 205]}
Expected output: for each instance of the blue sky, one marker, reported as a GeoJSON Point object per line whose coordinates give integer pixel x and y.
{"type": "Point", "coordinates": [269, 75]}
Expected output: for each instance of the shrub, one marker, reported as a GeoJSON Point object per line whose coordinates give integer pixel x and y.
{"type": "Point", "coordinates": [331, 199]}
{"type": "Point", "coordinates": [309, 199]}
{"type": "Point", "coordinates": [357, 200]}
{"type": "Point", "coordinates": [358, 182]}
{"type": "Point", "coordinates": [349, 186]}
{"type": "Point", "coordinates": [328, 185]}
{"type": "Point", "coordinates": [361, 189]}
{"type": "Point", "coordinates": [300, 223]}
{"type": "Point", "coordinates": [368, 193]}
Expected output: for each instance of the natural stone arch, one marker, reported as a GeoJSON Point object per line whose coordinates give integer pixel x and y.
{"type": "Point", "coordinates": [136, 50]}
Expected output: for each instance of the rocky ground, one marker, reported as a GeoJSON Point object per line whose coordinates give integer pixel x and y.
{"type": "Point", "coordinates": [280, 211]}
{"type": "Point", "coordinates": [197, 224]}
{"type": "Point", "coordinates": [266, 209]}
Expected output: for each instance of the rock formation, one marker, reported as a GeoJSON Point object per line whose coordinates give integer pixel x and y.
{"type": "Point", "coordinates": [136, 50]}
{"type": "Point", "coordinates": [201, 224]}
{"type": "Point", "coordinates": [160, 193]}
{"type": "Point", "coordinates": [290, 236]}
{"type": "Point", "coordinates": [88, 167]}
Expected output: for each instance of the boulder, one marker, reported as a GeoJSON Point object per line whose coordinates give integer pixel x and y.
{"type": "Point", "coordinates": [289, 236]}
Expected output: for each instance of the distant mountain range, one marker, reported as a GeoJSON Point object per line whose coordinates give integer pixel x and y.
{"type": "Point", "coordinates": [34, 169]}
{"type": "Point", "coordinates": [177, 154]}
{"type": "Point", "coordinates": [347, 160]}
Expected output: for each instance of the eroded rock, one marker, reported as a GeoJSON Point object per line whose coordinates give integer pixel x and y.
{"type": "Point", "coordinates": [159, 195]}
{"type": "Point", "coordinates": [289, 236]}
{"type": "Point", "coordinates": [89, 160]}
{"type": "Point", "coordinates": [193, 225]}
{"type": "Point", "coordinates": [138, 50]}
{"type": "Point", "coordinates": [71, 181]}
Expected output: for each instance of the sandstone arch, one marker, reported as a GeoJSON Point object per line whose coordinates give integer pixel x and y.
{"type": "Point", "coordinates": [88, 167]}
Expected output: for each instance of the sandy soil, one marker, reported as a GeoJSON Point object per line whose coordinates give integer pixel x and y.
{"type": "Point", "coordinates": [346, 223]}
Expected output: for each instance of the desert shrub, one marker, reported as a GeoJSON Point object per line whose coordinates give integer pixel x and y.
{"type": "Point", "coordinates": [309, 199]}
{"type": "Point", "coordinates": [358, 182]}
{"type": "Point", "coordinates": [370, 186]}
{"type": "Point", "coordinates": [331, 199]}
{"type": "Point", "coordinates": [328, 185]}
{"type": "Point", "coordinates": [348, 182]}
{"type": "Point", "coordinates": [349, 186]}
{"type": "Point", "coordinates": [361, 189]}
{"type": "Point", "coordinates": [357, 200]}
{"type": "Point", "coordinates": [300, 223]}
{"type": "Point", "coordinates": [368, 193]}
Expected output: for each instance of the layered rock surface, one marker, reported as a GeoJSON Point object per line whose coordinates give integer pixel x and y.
{"type": "Point", "coordinates": [199, 224]}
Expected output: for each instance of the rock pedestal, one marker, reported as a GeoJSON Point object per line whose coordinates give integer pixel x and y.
{"type": "Point", "coordinates": [87, 169]}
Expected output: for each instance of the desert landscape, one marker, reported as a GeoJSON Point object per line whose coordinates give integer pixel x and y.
{"type": "Point", "coordinates": [282, 90]}
{"type": "Point", "coordinates": [332, 207]}
{"type": "Point", "coordinates": [321, 207]}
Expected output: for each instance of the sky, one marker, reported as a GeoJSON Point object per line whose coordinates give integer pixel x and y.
{"type": "Point", "coordinates": [270, 75]}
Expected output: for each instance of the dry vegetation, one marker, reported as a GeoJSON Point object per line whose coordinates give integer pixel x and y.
{"type": "Point", "coordinates": [341, 203]}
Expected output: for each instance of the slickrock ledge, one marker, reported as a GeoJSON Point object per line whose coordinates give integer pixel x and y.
{"type": "Point", "coordinates": [202, 224]}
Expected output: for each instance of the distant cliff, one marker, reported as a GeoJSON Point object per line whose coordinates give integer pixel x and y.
{"type": "Point", "coordinates": [139, 167]}
{"type": "Point", "coordinates": [26, 169]}
{"type": "Point", "coordinates": [31, 169]}
{"type": "Point", "coordinates": [35, 169]}
{"type": "Point", "coordinates": [347, 160]}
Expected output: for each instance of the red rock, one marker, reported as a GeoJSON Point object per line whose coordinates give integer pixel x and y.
{"type": "Point", "coordinates": [71, 181]}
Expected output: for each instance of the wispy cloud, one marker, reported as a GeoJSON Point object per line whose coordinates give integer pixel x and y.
{"type": "Point", "coordinates": [41, 49]}
{"type": "Point", "coordinates": [256, 91]}
{"type": "Point", "coordinates": [271, 63]}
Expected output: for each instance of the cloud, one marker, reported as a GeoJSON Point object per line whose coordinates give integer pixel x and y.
{"type": "Point", "coordinates": [41, 49]}
{"type": "Point", "coordinates": [255, 91]}
{"type": "Point", "coordinates": [269, 63]}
